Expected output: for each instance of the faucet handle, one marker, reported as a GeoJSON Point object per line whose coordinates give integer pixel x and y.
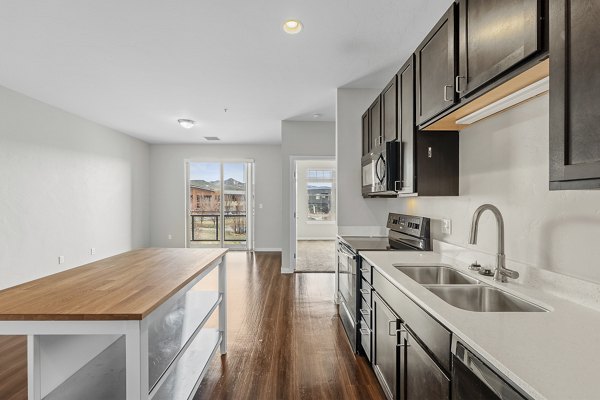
{"type": "Point", "coordinates": [510, 273]}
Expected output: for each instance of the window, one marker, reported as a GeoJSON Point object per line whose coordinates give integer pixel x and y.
{"type": "Point", "coordinates": [320, 185]}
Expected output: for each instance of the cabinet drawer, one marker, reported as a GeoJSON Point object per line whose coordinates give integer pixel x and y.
{"type": "Point", "coordinates": [365, 338]}
{"type": "Point", "coordinates": [434, 336]}
{"type": "Point", "coordinates": [366, 271]}
{"type": "Point", "coordinates": [366, 311]}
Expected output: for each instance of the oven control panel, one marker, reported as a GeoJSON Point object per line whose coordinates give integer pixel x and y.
{"type": "Point", "coordinates": [409, 224]}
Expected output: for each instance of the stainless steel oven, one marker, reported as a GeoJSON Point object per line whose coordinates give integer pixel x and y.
{"type": "Point", "coordinates": [381, 170]}
{"type": "Point", "coordinates": [347, 267]}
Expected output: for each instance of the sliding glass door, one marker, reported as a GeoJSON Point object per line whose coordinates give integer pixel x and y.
{"type": "Point", "coordinates": [220, 207]}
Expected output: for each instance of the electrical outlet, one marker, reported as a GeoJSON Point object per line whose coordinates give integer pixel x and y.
{"type": "Point", "coordinates": [92, 251]}
{"type": "Point", "coordinates": [169, 236]}
{"type": "Point", "coordinates": [447, 226]}
{"type": "Point", "coordinates": [61, 259]}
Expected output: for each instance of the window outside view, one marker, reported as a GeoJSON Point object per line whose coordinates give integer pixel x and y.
{"type": "Point", "coordinates": [321, 194]}
{"type": "Point", "coordinates": [218, 206]}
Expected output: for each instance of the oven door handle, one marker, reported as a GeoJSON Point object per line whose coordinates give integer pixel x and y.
{"type": "Point", "coordinates": [343, 250]}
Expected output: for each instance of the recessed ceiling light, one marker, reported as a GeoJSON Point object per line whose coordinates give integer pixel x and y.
{"type": "Point", "coordinates": [292, 26]}
{"type": "Point", "coordinates": [186, 123]}
{"type": "Point", "coordinates": [317, 115]}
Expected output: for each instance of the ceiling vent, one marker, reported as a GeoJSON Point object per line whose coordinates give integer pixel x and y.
{"type": "Point", "coordinates": [211, 138]}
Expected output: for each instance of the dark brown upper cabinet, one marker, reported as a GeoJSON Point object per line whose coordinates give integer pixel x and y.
{"type": "Point", "coordinates": [375, 123]}
{"type": "Point", "coordinates": [494, 36]}
{"type": "Point", "coordinates": [366, 138]}
{"type": "Point", "coordinates": [389, 111]}
{"type": "Point", "coordinates": [406, 124]}
{"type": "Point", "coordinates": [574, 94]}
{"type": "Point", "coordinates": [429, 159]}
{"type": "Point", "coordinates": [436, 68]}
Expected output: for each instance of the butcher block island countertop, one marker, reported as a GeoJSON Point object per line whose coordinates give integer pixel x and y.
{"type": "Point", "coordinates": [128, 286]}
{"type": "Point", "coordinates": [128, 327]}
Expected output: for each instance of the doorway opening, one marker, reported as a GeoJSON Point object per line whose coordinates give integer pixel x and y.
{"type": "Point", "coordinates": [220, 210]}
{"type": "Point", "coordinates": [315, 215]}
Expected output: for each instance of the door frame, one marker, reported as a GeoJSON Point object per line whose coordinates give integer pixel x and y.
{"type": "Point", "coordinates": [250, 211]}
{"type": "Point", "coordinates": [293, 190]}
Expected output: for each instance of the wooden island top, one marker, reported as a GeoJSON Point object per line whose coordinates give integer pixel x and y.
{"type": "Point", "coordinates": [128, 286]}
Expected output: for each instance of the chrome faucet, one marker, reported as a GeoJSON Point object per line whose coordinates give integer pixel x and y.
{"type": "Point", "coordinates": [501, 272]}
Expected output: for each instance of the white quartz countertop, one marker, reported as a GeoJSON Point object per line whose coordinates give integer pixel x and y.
{"type": "Point", "coordinates": [549, 355]}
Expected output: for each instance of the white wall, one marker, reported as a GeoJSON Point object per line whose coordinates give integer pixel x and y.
{"type": "Point", "coordinates": [299, 139]}
{"type": "Point", "coordinates": [305, 229]}
{"type": "Point", "coordinates": [168, 198]}
{"type": "Point", "coordinates": [353, 209]}
{"type": "Point", "coordinates": [67, 185]}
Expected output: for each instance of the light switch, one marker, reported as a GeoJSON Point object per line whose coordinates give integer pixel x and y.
{"type": "Point", "coordinates": [260, 205]}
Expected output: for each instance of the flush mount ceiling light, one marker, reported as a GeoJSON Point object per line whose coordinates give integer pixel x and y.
{"type": "Point", "coordinates": [292, 26]}
{"type": "Point", "coordinates": [186, 123]}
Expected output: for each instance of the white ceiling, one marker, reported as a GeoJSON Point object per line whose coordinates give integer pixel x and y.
{"type": "Point", "coordinates": [139, 65]}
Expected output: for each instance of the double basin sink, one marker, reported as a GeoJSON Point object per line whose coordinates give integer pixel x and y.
{"type": "Point", "coordinates": [466, 292]}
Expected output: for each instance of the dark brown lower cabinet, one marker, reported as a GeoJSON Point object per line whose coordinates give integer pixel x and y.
{"type": "Point", "coordinates": [422, 378]}
{"type": "Point", "coordinates": [574, 94]}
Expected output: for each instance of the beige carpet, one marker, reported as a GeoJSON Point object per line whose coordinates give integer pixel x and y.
{"type": "Point", "coordinates": [315, 256]}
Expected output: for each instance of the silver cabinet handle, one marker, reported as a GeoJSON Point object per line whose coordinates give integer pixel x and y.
{"type": "Point", "coordinates": [457, 83]}
{"type": "Point", "coordinates": [365, 331]}
{"type": "Point", "coordinates": [365, 270]}
{"type": "Point", "coordinates": [446, 92]}
{"type": "Point", "coordinates": [365, 291]}
{"type": "Point", "coordinates": [365, 311]}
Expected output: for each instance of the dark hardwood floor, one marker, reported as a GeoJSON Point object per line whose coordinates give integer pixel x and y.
{"type": "Point", "coordinates": [285, 338]}
{"type": "Point", "coordinates": [285, 341]}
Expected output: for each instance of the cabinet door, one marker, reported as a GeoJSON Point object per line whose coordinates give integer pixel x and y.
{"type": "Point", "coordinates": [389, 111]}
{"type": "Point", "coordinates": [574, 94]}
{"type": "Point", "coordinates": [375, 123]}
{"type": "Point", "coordinates": [422, 378]}
{"type": "Point", "coordinates": [385, 352]}
{"type": "Point", "coordinates": [436, 67]}
{"type": "Point", "coordinates": [406, 124]}
{"type": "Point", "coordinates": [495, 35]}
{"type": "Point", "coordinates": [366, 138]}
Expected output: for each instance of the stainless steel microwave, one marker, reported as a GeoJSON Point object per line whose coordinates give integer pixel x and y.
{"type": "Point", "coordinates": [381, 171]}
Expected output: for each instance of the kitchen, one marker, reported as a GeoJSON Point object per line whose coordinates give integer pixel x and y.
{"type": "Point", "coordinates": [430, 142]}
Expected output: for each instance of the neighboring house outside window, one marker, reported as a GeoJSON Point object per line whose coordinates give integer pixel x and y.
{"type": "Point", "coordinates": [320, 185]}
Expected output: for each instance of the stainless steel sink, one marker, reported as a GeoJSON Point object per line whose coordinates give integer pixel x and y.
{"type": "Point", "coordinates": [436, 275]}
{"type": "Point", "coordinates": [482, 299]}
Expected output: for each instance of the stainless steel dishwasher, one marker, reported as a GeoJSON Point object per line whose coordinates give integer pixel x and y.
{"type": "Point", "coordinates": [472, 379]}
